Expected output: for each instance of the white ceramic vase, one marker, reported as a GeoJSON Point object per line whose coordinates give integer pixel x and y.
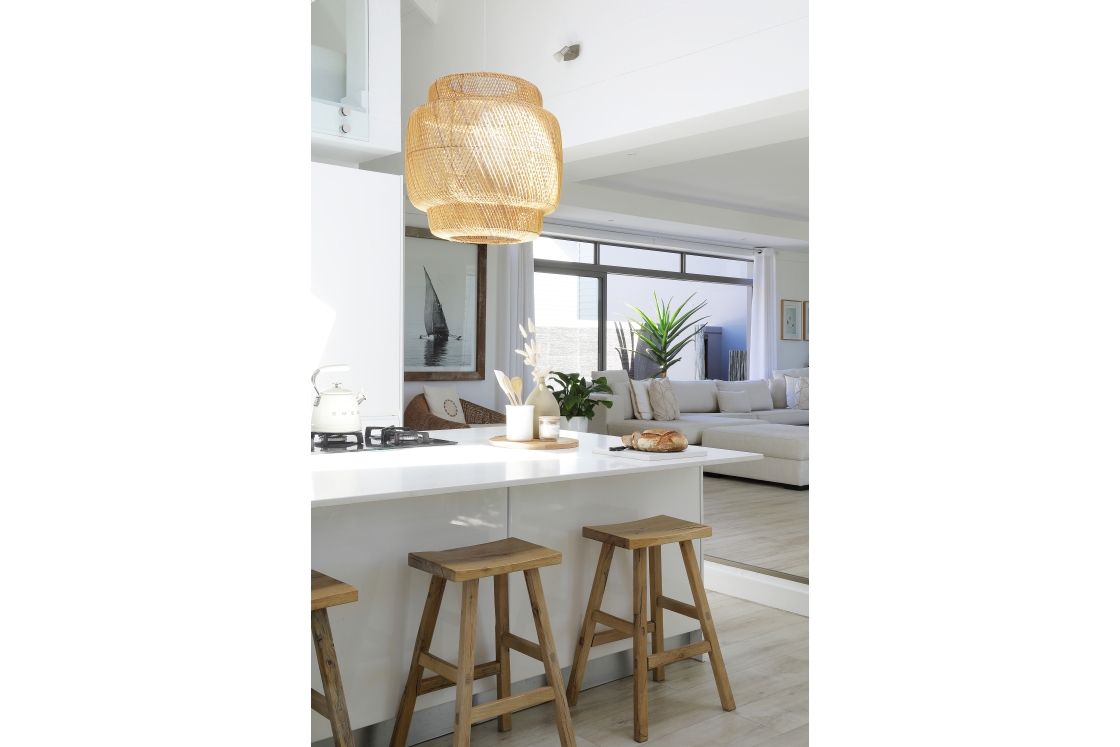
{"type": "Point", "coordinates": [578, 424]}
{"type": "Point", "coordinates": [520, 422]}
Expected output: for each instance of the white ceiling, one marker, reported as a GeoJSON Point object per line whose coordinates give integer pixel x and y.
{"type": "Point", "coordinates": [769, 180]}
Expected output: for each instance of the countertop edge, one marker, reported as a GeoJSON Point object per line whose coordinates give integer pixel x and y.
{"type": "Point", "coordinates": [638, 467]}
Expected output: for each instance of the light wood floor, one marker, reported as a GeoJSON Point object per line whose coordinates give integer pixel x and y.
{"type": "Point", "coordinates": [767, 656]}
{"type": "Point", "coordinates": [757, 524]}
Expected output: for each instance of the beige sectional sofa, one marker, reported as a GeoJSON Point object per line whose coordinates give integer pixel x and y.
{"type": "Point", "coordinates": [699, 408]}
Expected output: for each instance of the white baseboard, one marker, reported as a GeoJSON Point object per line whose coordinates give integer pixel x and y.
{"type": "Point", "coordinates": [757, 587]}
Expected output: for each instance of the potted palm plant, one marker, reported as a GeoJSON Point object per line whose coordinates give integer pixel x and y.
{"type": "Point", "coordinates": [664, 333]}
{"type": "Point", "coordinates": [575, 399]}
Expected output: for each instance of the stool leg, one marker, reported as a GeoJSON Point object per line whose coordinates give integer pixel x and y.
{"type": "Point", "coordinates": [415, 672]}
{"type": "Point", "coordinates": [464, 682]}
{"type": "Point", "coordinates": [501, 627]}
{"type": "Point", "coordinates": [658, 613]}
{"type": "Point", "coordinates": [332, 679]}
{"type": "Point", "coordinates": [548, 655]}
{"type": "Point", "coordinates": [641, 704]}
{"type": "Point", "coordinates": [700, 598]}
{"type": "Point", "coordinates": [587, 632]}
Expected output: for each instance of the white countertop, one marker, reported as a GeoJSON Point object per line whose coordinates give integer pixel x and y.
{"type": "Point", "coordinates": [473, 464]}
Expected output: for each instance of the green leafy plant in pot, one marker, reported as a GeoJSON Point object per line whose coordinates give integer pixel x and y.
{"type": "Point", "coordinates": [665, 332]}
{"type": "Point", "coordinates": [574, 398]}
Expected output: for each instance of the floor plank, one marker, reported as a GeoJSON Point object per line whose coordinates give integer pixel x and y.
{"type": "Point", "coordinates": [757, 524]}
{"type": "Point", "coordinates": [767, 656]}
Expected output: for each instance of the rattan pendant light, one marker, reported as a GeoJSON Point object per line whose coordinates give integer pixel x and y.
{"type": "Point", "coordinates": [483, 159]}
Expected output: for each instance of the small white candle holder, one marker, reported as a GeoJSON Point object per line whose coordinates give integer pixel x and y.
{"type": "Point", "coordinates": [519, 422]}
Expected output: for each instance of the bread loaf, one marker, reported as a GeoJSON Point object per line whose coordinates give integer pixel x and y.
{"type": "Point", "coordinates": [655, 439]}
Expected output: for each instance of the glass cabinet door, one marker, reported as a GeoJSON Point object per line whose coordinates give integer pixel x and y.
{"type": "Point", "coordinates": [339, 68]}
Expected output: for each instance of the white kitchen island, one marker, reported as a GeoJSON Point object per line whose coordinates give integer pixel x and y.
{"type": "Point", "coordinates": [370, 509]}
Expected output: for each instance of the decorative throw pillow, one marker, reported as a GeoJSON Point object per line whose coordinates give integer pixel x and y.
{"type": "Point", "coordinates": [734, 401]}
{"type": "Point", "coordinates": [778, 392]}
{"type": "Point", "coordinates": [443, 402]}
{"type": "Point", "coordinates": [797, 392]}
{"type": "Point", "coordinates": [663, 400]}
{"type": "Point", "coordinates": [639, 397]}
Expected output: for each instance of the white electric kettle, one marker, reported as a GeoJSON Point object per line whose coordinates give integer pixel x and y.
{"type": "Point", "coordinates": [335, 409]}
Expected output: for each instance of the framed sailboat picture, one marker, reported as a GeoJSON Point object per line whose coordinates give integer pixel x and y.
{"type": "Point", "coordinates": [444, 310]}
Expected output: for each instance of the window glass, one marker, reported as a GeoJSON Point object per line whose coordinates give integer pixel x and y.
{"type": "Point", "coordinates": [562, 250]}
{"type": "Point", "coordinates": [640, 259]}
{"type": "Point", "coordinates": [728, 309]}
{"type": "Point", "coordinates": [567, 321]}
{"type": "Point", "coordinates": [696, 264]}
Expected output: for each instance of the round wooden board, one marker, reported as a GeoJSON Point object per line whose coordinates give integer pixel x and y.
{"type": "Point", "coordinates": [536, 443]}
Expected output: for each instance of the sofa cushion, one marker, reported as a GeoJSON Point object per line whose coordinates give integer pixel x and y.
{"type": "Point", "coordinates": [663, 400]}
{"type": "Point", "coordinates": [691, 425]}
{"type": "Point", "coordinates": [733, 401]}
{"type": "Point", "coordinates": [696, 396]}
{"type": "Point", "coordinates": [757, 388]}
{"type": "Point", "coordinates": [639, 399]}
{"type": "Point", "coordinates": [786, 416]}
{"type": "Point", "coordinates": [619, 382]}
{"type": "Point", "coordinates": [778, 392]}
{"type": "Point", "coordinates": [776, 441]}
{"type": "Point", "coordinates": [797, 392]}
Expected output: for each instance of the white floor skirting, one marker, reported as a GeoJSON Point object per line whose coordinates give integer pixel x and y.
{"type": "Point", "coordinates": [757, 587]}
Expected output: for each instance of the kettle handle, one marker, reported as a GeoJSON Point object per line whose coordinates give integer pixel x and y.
{"type": "Point", "coordinates": [339, 367]}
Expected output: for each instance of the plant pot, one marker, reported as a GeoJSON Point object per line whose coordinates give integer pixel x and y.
{"type": "Point", "coordinates": [520, 423]}
{"type": "Point", "coordinates": [577, 424]}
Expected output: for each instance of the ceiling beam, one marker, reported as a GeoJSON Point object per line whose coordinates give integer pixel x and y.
{"type": "Point", "coordinates": [689, 213]}
{"type": "Point", "coordinates": [763, 123]}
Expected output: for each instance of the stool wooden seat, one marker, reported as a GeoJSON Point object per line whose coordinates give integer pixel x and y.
{"type": "Point", "coordinates": [644, 538]}
{"type": "Point", "coordinates": [331, 703]}
{"type": "Point", "coordinates": [467, 565]}
{"type": "Point", "coordinates": [480, 561]}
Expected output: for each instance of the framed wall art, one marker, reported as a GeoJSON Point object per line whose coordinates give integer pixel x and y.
{"type": "Point", "coordinates": [805, 321]}
{"type": "Point", "coordinates": [444, 310]}
{"type": "Point", "coordinates": [792, 328]}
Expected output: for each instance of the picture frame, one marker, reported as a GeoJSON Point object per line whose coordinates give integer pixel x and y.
{"type": "Point", "coordinates": [805, 323]}
{"type": "Point", "coordinates": [444, 309]}
{"type": "Point", "coordinates": [791, 320]}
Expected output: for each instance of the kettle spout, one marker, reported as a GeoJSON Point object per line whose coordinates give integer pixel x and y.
{"type": "Point", "coordinates": [361, 396]}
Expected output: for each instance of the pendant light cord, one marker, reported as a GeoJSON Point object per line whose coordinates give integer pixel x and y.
{"type": "Point", "coordinates": [484, 36]}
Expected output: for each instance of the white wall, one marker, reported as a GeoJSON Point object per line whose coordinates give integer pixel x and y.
{"type": "Point", "coordinates": [793, 284]}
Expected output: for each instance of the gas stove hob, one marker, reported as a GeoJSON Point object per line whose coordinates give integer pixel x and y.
{"type": "Point", "coordinates": [375, 439]}
{"type": "Point", "coordinates": [392, 437]}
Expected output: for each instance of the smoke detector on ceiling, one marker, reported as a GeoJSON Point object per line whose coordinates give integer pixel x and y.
{"type": "Point", "coordinates": [567, 54]}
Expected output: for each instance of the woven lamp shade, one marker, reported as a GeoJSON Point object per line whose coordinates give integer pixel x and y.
{"type": "Point", "coordinates": [483, 159]}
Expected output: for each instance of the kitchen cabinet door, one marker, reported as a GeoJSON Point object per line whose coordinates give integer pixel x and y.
{"type": "Point", "coordinates": [357, 240]}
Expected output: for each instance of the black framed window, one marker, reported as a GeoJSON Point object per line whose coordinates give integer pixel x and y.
{"type": "Point", "coordinates": [575, 279]}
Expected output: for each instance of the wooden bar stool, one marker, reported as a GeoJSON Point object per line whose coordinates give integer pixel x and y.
{"type": "Point", "coordinates": [645, 538]}
{"type": "Point", "coordinates": [466, 565]}
{"type": "Point", "coordinates": [331, 704]}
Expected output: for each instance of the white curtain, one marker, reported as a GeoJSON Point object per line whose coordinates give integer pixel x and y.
{"type": "Point", "coordinates": [515, 306]}
{"type": "Point", "coordinates": [764, 316]}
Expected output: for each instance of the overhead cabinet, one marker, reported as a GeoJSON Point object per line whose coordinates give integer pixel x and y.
{"type": "Point", "coordinates": [355, 79]}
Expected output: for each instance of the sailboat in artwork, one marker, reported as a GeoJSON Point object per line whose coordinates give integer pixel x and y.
{"type": "Point", "coordinates": [435, 323]}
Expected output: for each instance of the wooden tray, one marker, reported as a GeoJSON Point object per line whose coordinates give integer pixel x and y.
{"type": "Point", "coordinates": [536, 443]}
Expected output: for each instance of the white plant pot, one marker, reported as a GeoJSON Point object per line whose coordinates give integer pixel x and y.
{"type": "Point", "coordinates": [579, 425]}
{"type": "Point", "coordinates": [519, 422]}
